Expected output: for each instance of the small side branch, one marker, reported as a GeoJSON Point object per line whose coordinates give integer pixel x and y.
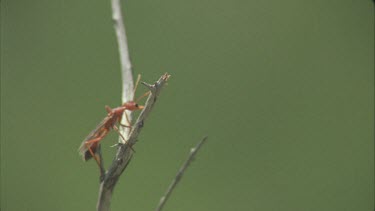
{"type": "Point", "coordinates": [125, 152]}
{"type": "Point", "coordinates": [182, 170]}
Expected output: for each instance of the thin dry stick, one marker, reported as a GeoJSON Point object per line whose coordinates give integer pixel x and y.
{"type": "Point", "coordinates": [182, 170]}
{"type": "Point", "coordinates": [126, 70]}
{"type": "Point", "coordinates": [124, 152]}
{"type": "Point", "coordinates": [126, 66]}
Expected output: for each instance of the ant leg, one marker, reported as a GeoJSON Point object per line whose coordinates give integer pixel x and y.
{"type": "Point", "coordinates": [117, 130]}
{"type": "Point", "coordinates": [127, 121]}
{"type": "Point", "coordinates": [127, 126]}
{"type": "Point", "coordinates": [95, 158]}
{"type": "Point", "coordinates": [89, 144]}
{"type": "Point", "coordinates": [136, 85]}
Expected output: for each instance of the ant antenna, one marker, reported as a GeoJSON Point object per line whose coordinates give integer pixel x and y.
{"type": "Point", "coordinates": [136, 85]}
{"type": "Point", "coordinates": [144, 95]}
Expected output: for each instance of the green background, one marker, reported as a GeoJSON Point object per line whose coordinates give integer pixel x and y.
{"type": "Point", "coordinates": [283, 89]}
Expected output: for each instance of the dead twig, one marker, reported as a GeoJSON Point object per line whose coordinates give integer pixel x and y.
{"type": "Point", "coordinates": [180, 172]}
{"type": "Point", "coordinates": [124, 152]}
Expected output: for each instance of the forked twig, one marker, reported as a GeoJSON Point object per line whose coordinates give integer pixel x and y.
{"type": "Point", "coordinates": [124, 152]}
{"type": "Point", "coordinates": [180, 172]}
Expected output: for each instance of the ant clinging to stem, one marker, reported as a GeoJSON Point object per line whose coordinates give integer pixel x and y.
{"type": "Point", "coordinates": [90, 145]}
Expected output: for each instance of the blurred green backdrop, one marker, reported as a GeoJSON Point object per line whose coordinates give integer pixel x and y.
{"type": "Point", "coordinates": [283, 89]}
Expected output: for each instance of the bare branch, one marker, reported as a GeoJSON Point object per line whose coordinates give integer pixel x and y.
{"type": "Point", "coordinates": [124, 152]}
{"type": "Point", "coordinates": [182, 170]}
{"type": "Point", "coordinates": [126, 66]}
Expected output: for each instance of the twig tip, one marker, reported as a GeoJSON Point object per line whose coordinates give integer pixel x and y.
{"type": "Point", "coordinates": [166, 76]}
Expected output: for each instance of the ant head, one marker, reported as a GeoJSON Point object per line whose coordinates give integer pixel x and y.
{"type": "Point", "coordinates": [132, 106]}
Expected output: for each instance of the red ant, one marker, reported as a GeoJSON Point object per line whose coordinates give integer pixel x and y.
{"type": "Point", "coordinates": [90, 145]}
